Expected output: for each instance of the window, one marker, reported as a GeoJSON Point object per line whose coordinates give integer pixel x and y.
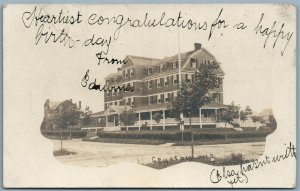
{"type": "Point", "coordinates": [116, 103]}
{"type": "Point", "coordinates": [188, 77]}
{"type": "Point", "coordinates": [126, 74]}
{"type": "Point", "coordinates": [159, 98]}
{"type": "Point", "coordinates": [175, 79]}
{"type": "Point", "coordinates": [120, 102]}
{"type": "Point", "coordinates": [162, 82]}
{"type": "Point", "coordinates": [113, 92]}
{"type": "Point", "coordinates": [149, 100]}
{"type": "Point", "coordinates": [149, 84]}
{"type": "Point", "coordinates": [149, 71]}
{"type": "Point", "coordinates": [175, 64]}
{"type": "Point", "coordinates": [129, 101]}
{"type": "Point", "coordinates": [131, 72]}
{"type": "Point", "coordinates": [216, 97]}
{"type": "Point", "coordinates": [193, 63]}
{"type": "Point", "coordinates": [111, 103]}
{"type": "Point", "coordinates": [132, 103]}
{"type": "Point", "coordinates": [166, 98]}
{"type": "Point", "coordinates": [166, 81]}
{"type": "Point", "coordinates": [162, 67]}
{"type": "Point", "coordinates": [193, 77]}
{"type": "Point", "coordinates": [154, 99]}
{"type": "Point", "coordinates": [131, 84]}
{"type": "Point", "coordinates": [158, 83]}
{"type": "Point", "coordinates": [175, 95]}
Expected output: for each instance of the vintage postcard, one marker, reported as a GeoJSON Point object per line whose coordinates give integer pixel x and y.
{"type": "Point", "coordinates": [152, 96]}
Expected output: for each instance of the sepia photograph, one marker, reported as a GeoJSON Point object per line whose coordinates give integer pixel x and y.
{"type": "Point", "coordinates": [149, 96]}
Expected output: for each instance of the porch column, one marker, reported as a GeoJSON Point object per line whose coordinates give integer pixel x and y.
{"type": "Point", "coordinates": [151, 120]}
{"type": "Point", "coordinates": [164, 125]}
{"type": "Point", "coordinates": [216, 115]}
{"type": "Point", "coordinates": [114, 120]}
{"type": "Point", "coordinates": [106, 121]}
{"type": "Point", "coordinates": [200, 115]}
{"type": "Point", "coordinates": [139, 121]}
{"type": "Point", "coordinates": [119, 124]}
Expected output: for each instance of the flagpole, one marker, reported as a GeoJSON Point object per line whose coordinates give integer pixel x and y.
{"type": "Point", "coordinates": [179, 74]}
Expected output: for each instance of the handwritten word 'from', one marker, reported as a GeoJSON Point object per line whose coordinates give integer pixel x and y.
{"type": "Point", "coordinates": [232, 176]}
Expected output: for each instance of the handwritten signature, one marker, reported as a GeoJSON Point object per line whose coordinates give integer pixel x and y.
{"type": "Point", "coordinates": [232, 176]}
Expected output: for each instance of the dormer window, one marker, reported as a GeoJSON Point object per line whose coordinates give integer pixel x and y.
{"type": "Point", "coordinates": [131, 72]}
{"type": "Point", "coordinates": [162, 67]}
{"type": "Point", "coordinates": [149, 71]}
{"type": "Point", "coordinates": [175, 64]}
{"type": "Point", "coordinates": [193, 62]}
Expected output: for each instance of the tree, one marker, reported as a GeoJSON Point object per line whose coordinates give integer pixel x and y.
{"type": "Point", "coordinates": [195, 94]}
{"type": "Point", "coordinates": [244, 114]}
{"type": "Point", "coordinates": [257, 118]}
{"type": "Point", "coordinates": [272, 122]}
{"type": "Point", "coordinates": [67, 115]}
{"type": "Point", "coordinates": [229, 114]}
{"type": "Point", "coordinates": [127, 118]}
{"type": "Point", "coordinates": [87, 116]}
{"type": "Point", "coordinates": [157, 117]}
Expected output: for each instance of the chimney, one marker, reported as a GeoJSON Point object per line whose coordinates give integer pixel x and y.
{"type": "Point", "coordinates": [197, 46]}
{"type": "Point", "coordinates": [79, 104]}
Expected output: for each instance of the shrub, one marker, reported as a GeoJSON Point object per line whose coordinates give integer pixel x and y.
{"type": "Point", "coordinates": [58, 134]}
{"type": "Point", "coordinates": [199, 134]}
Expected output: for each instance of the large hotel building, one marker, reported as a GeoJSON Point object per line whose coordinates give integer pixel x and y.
{"type": "Point", "coordinates": [156, 83]}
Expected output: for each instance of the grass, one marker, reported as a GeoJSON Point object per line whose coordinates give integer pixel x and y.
{"type": "Point", "coordinates": [63, 152]}
{"type": "Point", "coordinates": [221, 141]}
{"type": "Point", "coordinates": [176, 143]}
{"type": "Point", "coordinates": [126, 141]}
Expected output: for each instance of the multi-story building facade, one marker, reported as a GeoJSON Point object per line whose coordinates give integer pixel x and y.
{"type": "Point", "coordinates": [156, 83]}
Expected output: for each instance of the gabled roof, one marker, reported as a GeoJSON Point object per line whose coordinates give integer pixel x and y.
{"type": "Point", "coordinates": [267, 112]}
{"type": "Point", "coordinates": [183, 56]}
{"type": "Point", "coordinates": [143, 61]}
{"type": "Point", "coordinates": [98, 114]}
